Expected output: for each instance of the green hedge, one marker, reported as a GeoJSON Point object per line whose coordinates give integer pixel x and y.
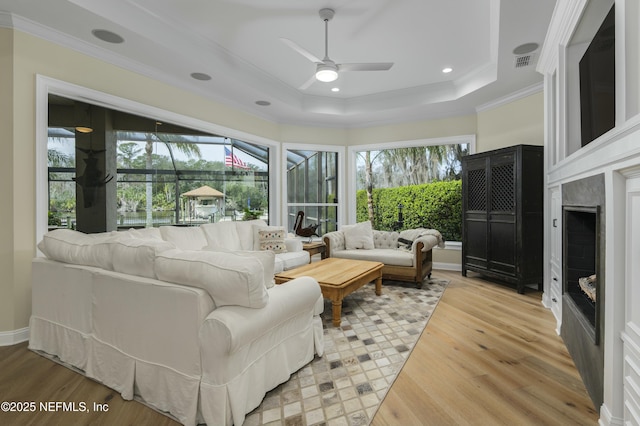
{"type": "Point", "coordinates": [435, 205]}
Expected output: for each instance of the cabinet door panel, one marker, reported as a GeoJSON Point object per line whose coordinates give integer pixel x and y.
{"type": "Point", "coordinates": [503, 189]}
{"type": "Point", "coordinates": [501, 248]}
{"type": "Point", "coordinates": [476, 243]}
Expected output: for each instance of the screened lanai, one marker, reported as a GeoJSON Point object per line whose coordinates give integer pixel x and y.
{"type": "Point", "coordinates": [152, 163]}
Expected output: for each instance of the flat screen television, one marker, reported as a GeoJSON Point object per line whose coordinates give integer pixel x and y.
{"type": "Point", "coordinates": [598, 82]}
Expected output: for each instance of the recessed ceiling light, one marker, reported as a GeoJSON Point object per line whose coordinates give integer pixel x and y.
{"type": "Point", "coordinates": [447, 70]}
{"type": "Point", "coordinates": [200, 76]}
{"type": "Point", "coordinates": [108, 36]}
{"type": "Point", "coordinates": [263, 103]}
{"type": "Point", "coordinates": [335, 89]}
{"type": "Point", "coordinates": [83, 129]}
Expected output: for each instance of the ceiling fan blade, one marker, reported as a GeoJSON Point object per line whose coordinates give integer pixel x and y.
{"type": "Point", "coordinates": [301, 50]}
{"type": "Point", "coordinates": [308, 83]}
{"type": "Point", "coordinates": [374, 66]}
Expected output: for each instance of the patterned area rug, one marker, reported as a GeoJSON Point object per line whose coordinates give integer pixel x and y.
{"type": "Point", "coordinates": [362, 358]}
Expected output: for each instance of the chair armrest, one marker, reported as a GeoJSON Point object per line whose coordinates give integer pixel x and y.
{"type": "Point", "coordinates": [334, 241]}
{"type": "Point", "coordinates": [428, 242]}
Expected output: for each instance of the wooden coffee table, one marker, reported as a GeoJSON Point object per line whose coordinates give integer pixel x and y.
{"type": "Point", "coordinates": [337, 278]}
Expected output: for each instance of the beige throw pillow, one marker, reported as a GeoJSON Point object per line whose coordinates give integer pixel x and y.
{"type": "Point", "coordinates": [358, 236]}
{"type": "Point", "coordinates": [270, 238]}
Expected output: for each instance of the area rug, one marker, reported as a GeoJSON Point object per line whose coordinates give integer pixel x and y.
{"type": "Point", "coordinates": [362, 358]}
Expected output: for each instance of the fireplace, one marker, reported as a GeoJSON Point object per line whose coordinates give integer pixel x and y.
{"type": "Point", "coordinates": [581, 258]}
{"type": "Point", "coordinates": [583, 283]}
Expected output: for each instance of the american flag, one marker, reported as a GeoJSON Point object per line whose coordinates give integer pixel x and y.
{"type": "Point", "coordinates": [232, 160]}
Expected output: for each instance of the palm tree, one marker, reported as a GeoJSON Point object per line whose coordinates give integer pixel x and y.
{"type": "Point", "coordinates": [368, 180]}
{"type": "Point", "coordinates": [190, 149]}
{"type": "Point", "coordinates": [172, 141]}
{"type": "Point", "coordinates": [127, 152]}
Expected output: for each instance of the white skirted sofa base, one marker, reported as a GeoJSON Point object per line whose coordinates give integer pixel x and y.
{"type": "Point", "coordinates": [410, 262]}
{"type": "Point", "coordinates": [204, 348]}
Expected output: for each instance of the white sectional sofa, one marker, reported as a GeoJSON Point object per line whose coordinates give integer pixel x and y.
{"type": "Point", "coordinates": [235, 236]}
{"type": "Point", "coordinates": [199, 334]}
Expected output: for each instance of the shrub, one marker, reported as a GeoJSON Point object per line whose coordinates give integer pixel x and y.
{"type": "Point", "coordinates": [435, 205]}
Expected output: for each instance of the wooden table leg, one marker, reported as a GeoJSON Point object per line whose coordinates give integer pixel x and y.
{"type": "Point", "coordinates": [379, 285]}
{"type": "Point", "coordinates": [336, 311]}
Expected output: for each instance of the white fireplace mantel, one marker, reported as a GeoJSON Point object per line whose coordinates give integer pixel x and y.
{"type": "Point", "coordinates": [616, 155]}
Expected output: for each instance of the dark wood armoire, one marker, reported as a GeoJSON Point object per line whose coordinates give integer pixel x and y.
{"type": "Point", "coordinates": [502, 221]}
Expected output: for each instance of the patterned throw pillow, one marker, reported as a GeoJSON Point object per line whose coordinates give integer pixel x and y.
{"type": "Point", "coordinates": [272, 238]}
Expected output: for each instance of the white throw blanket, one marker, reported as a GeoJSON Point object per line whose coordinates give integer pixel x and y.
{"type": "Point", "coordinates": [429, 237]}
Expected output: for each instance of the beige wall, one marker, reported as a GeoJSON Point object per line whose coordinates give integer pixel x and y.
{"type": "Point", "coordinates": [7, 303]}
{"type": "Point", "coordinates": [519, 122]}
{"type": "Point", "coordinates": [427, 129]}
{"type": "Point", "coordinates": [30, 56]}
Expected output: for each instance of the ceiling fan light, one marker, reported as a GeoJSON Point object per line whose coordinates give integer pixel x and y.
{"type": "Point", "coordinates": [326, 73]}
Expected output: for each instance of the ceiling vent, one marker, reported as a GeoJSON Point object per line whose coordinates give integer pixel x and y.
{"type": "Point", "coordinates": [523, 61]}
{"type": "Point", "coordinates": [525, 54]}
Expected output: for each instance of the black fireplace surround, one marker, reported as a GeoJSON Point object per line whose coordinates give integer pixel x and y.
{"type": "Point", "coordinates": [580, 262]}
{"type": "Point", "coordinates": [583, 253]}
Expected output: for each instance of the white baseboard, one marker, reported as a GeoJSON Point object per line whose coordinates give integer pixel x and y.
{"type": "Point", "coordinates": [447, 266]}
{"type": "Point", "coordinates": [607, 419]}
{"type": "Point", "coordinates": [9, 338]}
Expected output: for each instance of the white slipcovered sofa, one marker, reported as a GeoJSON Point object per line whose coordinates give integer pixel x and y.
{"type": "Point", "coordinates": [407, 255]}
{"type": "Point", "coordinates": [199, 334]}
{"type": "Point", "coordinates": [237, 236]}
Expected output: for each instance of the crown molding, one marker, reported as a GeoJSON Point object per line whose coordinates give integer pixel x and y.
{"type": "Point", "coordinates": [520, 94]}
{"type": "Point", "coordinates": [564, 20]}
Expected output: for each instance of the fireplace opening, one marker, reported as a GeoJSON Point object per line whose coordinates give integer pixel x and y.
{"type": "Point", "coordinates": [581, 248]}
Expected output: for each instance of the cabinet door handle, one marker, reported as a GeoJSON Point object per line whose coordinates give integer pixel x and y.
{"type": "Point", "coordinates": [555, 223]}
{"type": "Point", "coordinates": [554, 300]}
{"type": "Point", "coordinates": [555, 279]}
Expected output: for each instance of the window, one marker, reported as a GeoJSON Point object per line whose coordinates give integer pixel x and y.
{"type": "Point", "coordinates": [312, 188]}
{"type": "Point", "coordinates": [415, 185]}
{"type": "Point", "coordinates": [163, 173]}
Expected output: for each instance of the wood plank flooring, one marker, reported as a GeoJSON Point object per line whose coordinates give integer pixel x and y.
{"type": "Point", "coordinates": [488, 356]}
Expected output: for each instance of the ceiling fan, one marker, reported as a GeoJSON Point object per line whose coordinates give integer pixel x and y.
{"type": "Point", "coordinates": [326, 69]}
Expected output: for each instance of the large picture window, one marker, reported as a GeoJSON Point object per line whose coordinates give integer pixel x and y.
{"type": "Point", "coordinates": [163, 173]}
{"type": "Point", "coordinates": [413, 186]}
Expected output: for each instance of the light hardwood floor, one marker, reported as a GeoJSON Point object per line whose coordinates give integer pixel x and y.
{"type": "Point", "coordinates": [488, 356]}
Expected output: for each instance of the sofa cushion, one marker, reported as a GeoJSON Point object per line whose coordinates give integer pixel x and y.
{"type": "Point", "coordinates": [146, 233]}
{"type": "Point", "coordinates": [269, 238]}
{"type": "Point", "coordinates": [358, 236]}
{"type": "Point", "coordinates": [267, 259]}
{"type": "Point", "coordinates": [222, 236]}
{"type": "Point", "coordinates": [136, 256]}
{"type": "Point", "coordinates": [184, 237]}
{"type": "Point", "coordinates": [229, 279]}
{"type": "Point", "coordinates": [293, 243]}
{"type": "Point", "coordinates": [245, 232]}
{"type": "Point", "coordinates": [290, 260]}
{"type": "Point", "coordinates": [386, 256]}
{"type": "Point", "coordinates": [69, 246]}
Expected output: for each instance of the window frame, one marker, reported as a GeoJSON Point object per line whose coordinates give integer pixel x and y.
{"type": "Point", "coordinates": [340, 171]}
